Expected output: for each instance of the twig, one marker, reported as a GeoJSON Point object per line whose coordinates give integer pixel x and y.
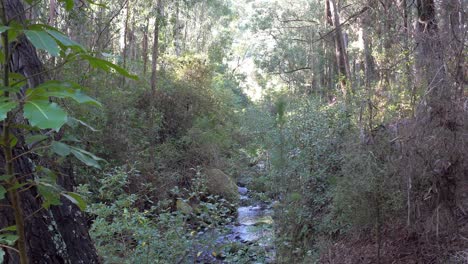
{"type": "Point", "coordinates": [12, 248]}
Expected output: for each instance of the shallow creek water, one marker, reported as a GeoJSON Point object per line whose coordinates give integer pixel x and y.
{"type": "Point", "coordinates": [254, 221]}
{"type": "Point", "coordinates": [253, 228]}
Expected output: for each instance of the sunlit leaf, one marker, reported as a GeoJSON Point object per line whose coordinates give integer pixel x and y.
{"type": "Point", "coordinates": [64, 40]}
{"type": "Point", "coordinates": [76, 199]}
{"type": "Point", "coordinates": [44, 115]}
{"type": "Point", "coordinates": [10, 228]}
{"type": "Point", "coordinates": [64, 90]}
{"type": "Point", "coordinates": [42, 40]}
{"type": "Point", "coordinates": [107, 66]}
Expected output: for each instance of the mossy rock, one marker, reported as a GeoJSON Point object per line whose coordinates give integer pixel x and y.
{"type": "Point", "coordinates": [219, 183]}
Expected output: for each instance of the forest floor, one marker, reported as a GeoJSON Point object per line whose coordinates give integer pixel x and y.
{"type": "Point", "coordinates": [397, 246]}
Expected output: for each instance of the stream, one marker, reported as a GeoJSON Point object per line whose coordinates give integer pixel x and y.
{"type": "Point", "coordinates": [251, 235]}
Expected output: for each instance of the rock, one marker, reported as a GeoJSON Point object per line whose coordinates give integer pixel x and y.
{"type": "Point", "coordinates": [242, 190]}
{"type": "Point", "coordinates": [218, 183]}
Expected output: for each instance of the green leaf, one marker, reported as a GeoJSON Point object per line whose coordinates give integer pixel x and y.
{"type": "Point", "coordinates": [76, 199]}
{"type": "Point", "coordinates": [6, 107]}
{"type": "Point", "coordinates": [70, 138]}
{"type": "Point", "coordinates": [8, 239]}
{"type": "Point", "coordinates": [86, 159]}
{"type": "Point", "coordinates": [3, 191]}
{"type": "Point", "coordinates": [61, 149]}
{"type": "Point", "coordinates": [13, 140]}
{"type": "Point", "coordinates": [64, 40]}
{"type": "Point", "coordinates": [73, 123]}
{"type": "Point", "coordinates": [33, 139]}
{"type": "Point", "coordinates": [64, 90]}
{"type": "Point", "coordinates": [5, 177]}
{"type": "Point", "coordinates": [2, 255]}
{"type": "Point", "coordinates": [10, 228]}
{"type": "Point", "coordinates": [44, 115]}
{"type": "Point", "coordinates": [46, 175]}
{"type": "Point", "coordinates": [84, 156]}
{"type": "Point", "coordinates": [4, 28]}
{"type": "Point", "coordinates": [17, 185]}
{"type": "Point", "coordinates": [107, 66]}
{"type": "Point", "coordinates": [69, 4]}
{"type": "Point", "coordinates": [42, 40]}
{"type": "Point", "coordinates": [50, 195]}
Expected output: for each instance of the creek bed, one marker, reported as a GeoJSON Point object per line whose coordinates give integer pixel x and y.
{"type": "Point", "coordinates": [252, 233]}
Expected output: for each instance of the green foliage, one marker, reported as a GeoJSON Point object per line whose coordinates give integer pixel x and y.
{"type": "Point", "coordinates": [367, 193]}
{"type": "Point", "coordinates": [125, 233]}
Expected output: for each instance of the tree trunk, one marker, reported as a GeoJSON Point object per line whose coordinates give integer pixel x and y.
{"type": "Point", "coordinates": [155, 48]}
{"type": "Point", "coordinates": [340, 50]}
{"type": "Point", "coordinates": [58, 235]}
{"type": "Point", "coordinates": [154, 79]}
{"type": "Point", "coordinates": [125, 42]}
{"type": "Point", "coordinates": [429, 57]}
{"type": "Point", "coordinates": [145, 47]}
{"type": "Point", "coordinates": [177, 27]}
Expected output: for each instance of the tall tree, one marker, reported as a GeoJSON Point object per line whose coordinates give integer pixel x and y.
{"type": "Point", "coordinates": [333, 18]}
{"type": "Point", "coordinates": [58, 235]}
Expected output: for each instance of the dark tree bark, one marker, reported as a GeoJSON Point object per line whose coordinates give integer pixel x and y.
{"type": "Point", "coordinates": [340, 49]}
{"type": "Point", "coordinates": [58, 235]}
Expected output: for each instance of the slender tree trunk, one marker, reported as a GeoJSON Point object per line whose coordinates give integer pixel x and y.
{"type": "Point", "coordinates": [340, 50]}
{"type": "Point", "coordinates": [154, 80]}
{"type": "Point", "coordinates": [125, 44]}
{"type": "Point", "coordinates": [145, 48]}
{"type": "Point", "coordinates": [176, 33]}
{"type": "Point", "coordinates": [155, 48]}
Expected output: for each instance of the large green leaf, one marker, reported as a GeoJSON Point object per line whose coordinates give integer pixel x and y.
{"type": "Point", "coordinates": [4, 28]}
{"type": "Point", "coordinates": [76, 199]}
{"type": "Point", "coordinates": [44, 115]}
{"type": "Point", "coordinates": [84, 156]}
{"type": "Point", "coordinates": [6, 107]}
{"type": "Point", "coordinates": [73, 123]}
{"type": "Point", "coordinates": [61, 149]}
{"type": "Point", "coordinates": [8, 239]}
{"type": "Point", "coordinates": [33, 139]}
{"type": "Point", "coordinates": [107, 66]}
{"type": "Point", "coordinates": [9, 228]}
{"type": "Point", "coordinates": [63, 39]}
{"type": "Point", "coordinates": [86, 159]}
{"type": "Point", "coordinates": [46, 175]}
{"type": "Point", "coordinates": [50, 195]}
{"type": "Point", "coordinates": [59, 89]}
{"type": "Point", "coordinates": [42, 40]}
